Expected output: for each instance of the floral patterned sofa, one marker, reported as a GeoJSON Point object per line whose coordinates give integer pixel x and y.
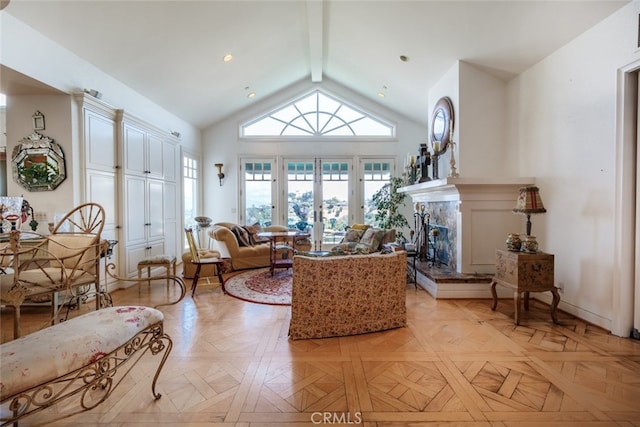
{"type": "Point", "coordinates": [347, 295]}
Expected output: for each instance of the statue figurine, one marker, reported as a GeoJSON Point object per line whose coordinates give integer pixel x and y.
{"type": "Point", "coordinates": [424, 160]}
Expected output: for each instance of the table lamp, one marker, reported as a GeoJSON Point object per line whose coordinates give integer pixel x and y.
{"type": "Point", "coordinates": [529, 202]}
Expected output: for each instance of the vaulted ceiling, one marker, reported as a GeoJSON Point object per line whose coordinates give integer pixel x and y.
{"type": "Point", "coordinates": [172, 51]}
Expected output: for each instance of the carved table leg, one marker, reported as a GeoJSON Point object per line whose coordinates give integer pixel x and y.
{"type": "Point", "coordinates": [554, 304]}
{"type": "Point", "coordinates": [516, 301]}
{"type": "Point", "coordinates": [495, 295]}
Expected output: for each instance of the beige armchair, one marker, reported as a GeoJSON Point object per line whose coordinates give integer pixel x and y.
{"type": "Point", "coordinates": [66, 262]}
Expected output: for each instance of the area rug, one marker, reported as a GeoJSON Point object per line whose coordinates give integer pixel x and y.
{"type": "Point", "coordinates": [258, 286]}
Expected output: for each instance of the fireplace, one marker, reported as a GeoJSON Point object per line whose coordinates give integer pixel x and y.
{"type": "Point", "coordinates": [476, 214]}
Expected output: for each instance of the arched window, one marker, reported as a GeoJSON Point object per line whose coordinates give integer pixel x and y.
{"type": "Point", "coordinates": [317, 114]}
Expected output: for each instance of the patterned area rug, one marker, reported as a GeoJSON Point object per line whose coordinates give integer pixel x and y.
{"type": "Point", "coordinates": [258, 286]}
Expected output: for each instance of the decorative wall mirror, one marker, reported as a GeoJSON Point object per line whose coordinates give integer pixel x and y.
{"type": "Point", "coordinates": [38, 163]}
{"type": "Point", "coordinates": [442, 123]}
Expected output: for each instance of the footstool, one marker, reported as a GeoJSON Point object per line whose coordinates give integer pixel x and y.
{"type": "Point", "coordinates": [166, 261]}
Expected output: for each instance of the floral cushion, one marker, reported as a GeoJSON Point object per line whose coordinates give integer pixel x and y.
{"type": "Point", "coordinates": [55, 351]}
{"type": "Point", "coordinates": [373, 237]}
{"type": "Point", "coordinates": [352, 235]}
{"type": "Point", "coordinates": [158, 259]}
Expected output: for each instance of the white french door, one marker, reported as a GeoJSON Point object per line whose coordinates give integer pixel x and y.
{"type": "Point", "coordinates": [258, 192]}
{"type": "Point", "coordinates": [318, 198]}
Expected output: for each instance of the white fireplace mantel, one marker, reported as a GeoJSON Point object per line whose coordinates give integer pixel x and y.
{"type": "Point", "coordinates": [483, 212]}
{"type": "Point", "coordinates": [457, 189]}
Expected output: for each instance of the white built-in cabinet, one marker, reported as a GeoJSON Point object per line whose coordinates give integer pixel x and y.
{"type": "Point", "coordinates": [150, 198]}
{"type": "Point", "coordinates": [99, 163]}
{"type": "Point", "coordinates": [130, 168]}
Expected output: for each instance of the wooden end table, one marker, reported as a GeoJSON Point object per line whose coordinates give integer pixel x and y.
{"type": "Point", "coordinates": [283, 237]}
{"type": "Point", "coordinates": [525, 273]}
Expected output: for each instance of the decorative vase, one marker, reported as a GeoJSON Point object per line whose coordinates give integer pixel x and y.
{"type": "Point", "coordinates": [513, 242]}
{"type": "Point", "coordinates": [530, 245]}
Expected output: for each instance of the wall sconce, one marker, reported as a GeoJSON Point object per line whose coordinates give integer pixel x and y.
{"type": "Point", "coordinates": [220, 174]}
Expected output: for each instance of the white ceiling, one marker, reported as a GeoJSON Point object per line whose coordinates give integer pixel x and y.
{"type": "Point", "coordinates": [171, 51]}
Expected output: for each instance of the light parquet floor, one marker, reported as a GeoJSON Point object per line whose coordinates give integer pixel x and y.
{"type": "Point", "coordinates": [457, 363]}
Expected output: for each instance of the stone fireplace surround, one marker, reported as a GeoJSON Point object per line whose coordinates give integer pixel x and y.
{"type": "Point", "coordinates": [479, 215]}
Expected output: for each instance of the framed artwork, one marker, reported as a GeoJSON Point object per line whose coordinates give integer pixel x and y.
{"type": "Point", "coordinates": [38, 121]}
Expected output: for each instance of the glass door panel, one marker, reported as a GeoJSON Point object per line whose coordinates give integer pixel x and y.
{"type": "Point", "coordinates": [259, 192]}
{"type": "Point", "coordinates": [334, 203]}
{"type": "Point", "coordinates": [300, 190]}
{"type": "Point", "coordinates": [375, 174]}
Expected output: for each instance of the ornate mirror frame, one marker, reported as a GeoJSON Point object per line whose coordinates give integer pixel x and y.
{"type": "Point", "coordinates": [442, 123]}
{"type": "Point", "coordinates": [38, 163]}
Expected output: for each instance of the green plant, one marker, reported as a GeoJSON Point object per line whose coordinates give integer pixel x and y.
{"type": "Point", "coordinates": [387, 202]}
{"type": "Point", "coordinates": [38, 173]}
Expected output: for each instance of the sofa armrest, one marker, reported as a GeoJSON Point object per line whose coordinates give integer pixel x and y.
{"type": "Point", "coordinates": [225, 236]}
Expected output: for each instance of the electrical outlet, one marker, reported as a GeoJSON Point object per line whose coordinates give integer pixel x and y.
{"type": "Point", "coordinates": [40, 216]}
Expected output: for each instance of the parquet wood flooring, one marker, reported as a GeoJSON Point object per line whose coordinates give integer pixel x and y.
{"type": "Point", "coordinates": [457, 363]}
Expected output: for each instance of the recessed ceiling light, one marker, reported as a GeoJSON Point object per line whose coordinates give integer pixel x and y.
{"type": "Point", "coordinates": [228, 57]}
{"type": "Point", "coordinates": [381, 94]}
{"type": "Point", "coordinates": [251, 95]}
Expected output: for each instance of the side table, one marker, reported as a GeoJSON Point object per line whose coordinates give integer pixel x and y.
{"type": "Point", "coordinates": [284, 237]}
{"type": "Point", "coordinates": [525, 273]}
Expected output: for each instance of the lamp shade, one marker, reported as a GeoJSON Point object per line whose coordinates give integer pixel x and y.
{"type": "Point", "coordinates": [529, 201]}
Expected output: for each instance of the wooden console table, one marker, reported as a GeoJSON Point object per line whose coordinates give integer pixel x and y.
{"type": "Point", "coordinates": [524, 273]}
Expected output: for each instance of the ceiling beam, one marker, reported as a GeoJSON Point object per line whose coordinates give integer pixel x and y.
{"type": "Point", "coordinates": [315, 24]}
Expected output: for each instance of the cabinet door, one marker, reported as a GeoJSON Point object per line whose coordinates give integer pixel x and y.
{"type": "Point", "coordinates": [155, 197]}
{"type": "Point", "coordinates": [154, 152]}
{"type": "Point", "coordinates": [171, 212]}
{"type": "Point", "coordinates": [134, 150]}
{"type": "Point", "coordinates": [101, 189]}
{"type": "Point", "coordinates": [100, 141]}
{"type": "Point", "coordinates": [170, 159]}
{"type": "Point", "coordinates": [135, 210]}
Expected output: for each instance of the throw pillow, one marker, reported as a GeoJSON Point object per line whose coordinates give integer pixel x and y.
{"type": "Point", "coordinates": [362, 227]}
{"type": "Point", "coordinates": [352, 235]}
{"type": "Point", "coordinates": [373, 237]}
{"type": "Point", "coordinates": [253, 231]}
{"type": "Point", "coordinates": [242, 235]}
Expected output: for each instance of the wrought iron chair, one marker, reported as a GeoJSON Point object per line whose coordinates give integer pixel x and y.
{"type": "Point", "coordinates": [67, 261]}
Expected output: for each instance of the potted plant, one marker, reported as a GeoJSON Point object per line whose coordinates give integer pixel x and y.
{"type": "Point", "coordinates": [387, 202]}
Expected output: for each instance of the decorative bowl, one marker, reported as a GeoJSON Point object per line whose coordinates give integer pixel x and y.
{"type": "Point", "coordinates": [203, 221]}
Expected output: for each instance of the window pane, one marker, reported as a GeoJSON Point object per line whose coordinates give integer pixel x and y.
{"type": "Point", "coordinates": [258, 202]}
{"type": "Point", "coordinates": [317, 114]}
{"type": "Point", "coordinates": [376, 175]}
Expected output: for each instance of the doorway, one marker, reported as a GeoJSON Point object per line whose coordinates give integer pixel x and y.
{"type": "Point", "coordinates": [318, 198]}
{"type": "Point", "coordinates": [626, 280]}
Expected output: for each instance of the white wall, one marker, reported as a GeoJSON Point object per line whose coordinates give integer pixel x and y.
{"type": "Point", "coordinates": [562, 122]}
{"type": "Point", "coordinates": [479, 104]}
{"type": "Point", "coordinates": [57, 113]}
{"type": "Point", "coordinates": [221, 144]}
